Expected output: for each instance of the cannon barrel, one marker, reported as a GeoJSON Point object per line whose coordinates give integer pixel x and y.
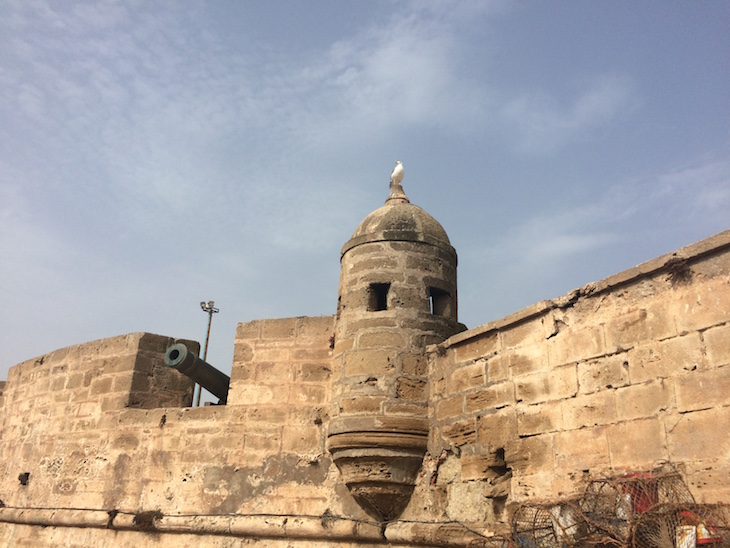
{"type": "Point", "coordinates": [179, 357]}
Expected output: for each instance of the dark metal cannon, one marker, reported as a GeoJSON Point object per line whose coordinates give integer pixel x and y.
{"type": "Point", "coordinates": [179, 357]}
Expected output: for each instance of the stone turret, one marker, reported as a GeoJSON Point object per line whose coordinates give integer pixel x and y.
{"type": "Point", "coordinates": [397, 295]}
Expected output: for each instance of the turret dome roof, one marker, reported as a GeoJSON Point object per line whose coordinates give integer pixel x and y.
{"type": "Point", "coordinates": [399, 220]}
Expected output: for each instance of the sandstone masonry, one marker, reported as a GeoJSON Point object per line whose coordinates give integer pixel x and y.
{"type": "Point", "coordinates": [99, 444]}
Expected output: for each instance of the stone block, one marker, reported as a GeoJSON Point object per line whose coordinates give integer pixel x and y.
{"type": "Point", "coordinates": [280, 328]}
{"type": "Point", "coordinates": [708, 483]}
{"type": "Point", "coordinates": [592, 410]}
{"type": "Point", "coordinates": [266, 441]}
{"type": "Point", "coordinates": [467, 502]}
{"type": "Point", "coordinates": [59, 383]}
{"type": "Point", "coordinates": [539, 419]}
{"type": "Point", "coordinates": [602, 373]}
{"type": "Point", "coordinates": [401, 297]}
{"type": "Point", "coordinates": [701, 305]}
{"type": "Point", "coordinates": [302, 439]}
{"type": "Point", "coordinates": [101, 385]}
{"type": "Point", "coordinates": [242, 372]}
{"type": "Point", "coordinates": [665, 358]}
{"type": "Point", "coordinates": [343, 344]}
{"type": "Point", "coordinates": [529, 333]}
{"type": "Point", "coordinates": [113, 346]}
{"type": "Point", "coordinates": [482, 467]}
{"type": "Point", "coordinates": [530, 455]}
{"type": "Point", "coordinates": [632, 327]}
{"type": "Point", "coordinates": [248, 330]}
{"type": "Point", "coordinates": [412, 390]}
{"type": "Point", "coordinates": [558, 384]}
{"type": "Point", "coordinates": [700, 435]}
{"type": "Point", "coordinates": [534, 486]}
{"type": "Point", "coordinates": [369, 248]}
{"type": "Point", "coordinates": [360, 324]}
{"type": "Point", "coordinates": [481, 346]}
{"type": "Point", "coordinates": [242, 352]}
{"type": "Point", "coordinates": [300, 394]}
{"type": "Point", "coordinates": [271, 354]}
{"type": "Point", "coordinates": [372, 362]}
{"type": "Point", "coordinates": [117, 364]}
{"type": "Point", "coordinates": [423, 263]}
{"type": "Point", "coordinates": [467, 377]}
{"type": "Point", "coordinates": [414, 364]}
{"type": "Point", "coordinates": [460, 432]}
{"type": "Point", "coordinates": [315, 327]}
{"type": "Point", "coordinates": [527, 360]}
{"type": "Point", "coordinates": [494, 396]}
{"type": "Point", "coordinates": [497, 429]}
{"type": "Point", "coordinates": [576, 344]}
{"type": "Point", "coordinates": [59, 369]}
{"type": "Point", "coordinates": [582, 449]}
{"type": "Point", "coordinates": [312, 372]}
{"type": "Point", "coordinates": [498, 368]}
{"type": "Point", "coordinates": [257, 394]}
{"type": "Point", "coordinates": [74, 381]}
{"type": "Point", "coordinates": [369, 264]}
{"type": "Point", "coordinates": [362, 404]}
{"type": "Point", "coordinates": [643, 400]}
{"type": "Point", "coordinates": [450, 407]}
{"type": "Point", "coordinates": [394, 407]}
{"type": "Point", "coordinates": [717, 345]}
{"type": "Point", "coordinates": [703, 389]}
{"type": "Point", "coordinates": [271, 414]}
{"type": "Point", "coordinates": [310, 353]}
{"type": "Point", "coordinates": [124, 441]}
{"type": "Point", "coordinates": [382, 339]}
{"type": "Point", "coordinates": [281, 372]}
{"type": "Point", "coordinates": [636, 444]}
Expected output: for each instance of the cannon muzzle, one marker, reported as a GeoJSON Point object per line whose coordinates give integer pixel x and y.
{"type": "Point", "coordinates": [179, 357]}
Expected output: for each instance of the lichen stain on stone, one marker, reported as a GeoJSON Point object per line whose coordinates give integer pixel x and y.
{"type": "Point", "coordinates": [226, 487]}
{"type": "Point", "coordinates": [114, 490]}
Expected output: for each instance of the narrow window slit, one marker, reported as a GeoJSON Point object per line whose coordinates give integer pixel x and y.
{"type": "Point", "coordinates": [440, 302]}
{"type": "Point", "coordinates": [378, 297]}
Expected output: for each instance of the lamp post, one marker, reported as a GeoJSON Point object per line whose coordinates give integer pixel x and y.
{"type": "Point", "coordinates": [210, 309]}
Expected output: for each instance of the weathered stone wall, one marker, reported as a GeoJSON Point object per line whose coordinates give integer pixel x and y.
{"type": "Point", "coordinates": [59, 412]}
{"type": "Point", "coordinates": [113, 373]}
{"type": "Point", "coordinates": [628, 374]}
{"type": "Point", "coordinates": [631, 373]}
{"type": "Point", "coordinates": [263, 453]}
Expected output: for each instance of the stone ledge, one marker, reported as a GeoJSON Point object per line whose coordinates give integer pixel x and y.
{"type": "Point", "coordinates": [691, 253]}
{"type": "Point", "coordinates": [261, 526]}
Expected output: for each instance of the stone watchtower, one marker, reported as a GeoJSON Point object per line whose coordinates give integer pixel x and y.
{"type": "Point", "coordinates": [397, 295]}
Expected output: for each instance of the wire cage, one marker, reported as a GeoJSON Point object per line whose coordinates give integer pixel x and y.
{"type": "Point", "coordinates": [549, 525]}
{"type": "Point", "coordinates": [639, 510]}
{"type": "Point", "coordinates": [682, 526]}
{"type": "Point", "coordinates": [612, 505]}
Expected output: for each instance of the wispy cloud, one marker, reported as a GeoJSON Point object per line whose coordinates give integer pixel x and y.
{"type": "Point", "coordinates": [631, 220]}
{"type": "Point", "coordinates": [148, 153]}
{"type": "Point", "coordinates": [544, 125]}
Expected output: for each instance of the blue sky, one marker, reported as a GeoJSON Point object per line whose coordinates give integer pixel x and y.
{"type": "Point", "coordinates": [158, 154]}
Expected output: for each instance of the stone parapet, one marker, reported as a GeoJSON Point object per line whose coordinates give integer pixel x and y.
{"type": "Point", "coordinates": [630, 373]}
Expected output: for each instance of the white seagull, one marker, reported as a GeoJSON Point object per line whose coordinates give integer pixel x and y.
{"type": "Point", "coordinates": [397, 176]}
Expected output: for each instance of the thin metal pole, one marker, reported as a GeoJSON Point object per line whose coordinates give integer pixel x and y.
{"type": "Point", "coordinates": [207, 335]}
{"type": "Point", "coordinates": [210, 309]}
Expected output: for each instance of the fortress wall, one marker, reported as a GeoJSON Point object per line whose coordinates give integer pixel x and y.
{"type": "Point", "coordinates": [628, 374]}
{"type": "Point", "coordinates": [55, 417]}
{"type": "Point", "coordinates": [264, 452]}
{"type": "Point", "coordinates": [631, 373]}
{"type": "Point", "coordinates": [281, 376]}
{"type": "Point", "coordinates": [113, 373]}
{"type": "Point", "coordinates": [281, 380]}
